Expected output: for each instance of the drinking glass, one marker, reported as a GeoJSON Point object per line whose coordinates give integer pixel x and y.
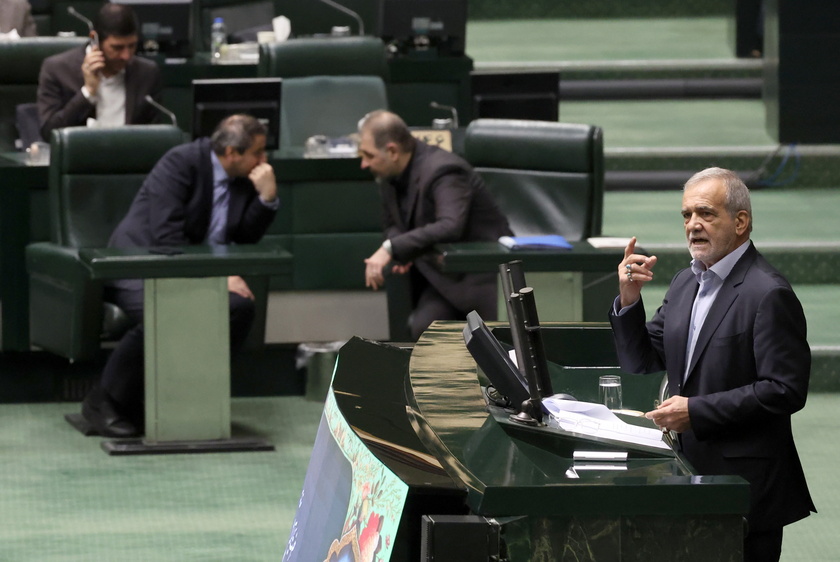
{"type": "Point", "coordinates": [609, 391]}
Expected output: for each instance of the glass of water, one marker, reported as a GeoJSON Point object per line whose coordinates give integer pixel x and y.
{"type": "Point", "coordinates": [609, 391]}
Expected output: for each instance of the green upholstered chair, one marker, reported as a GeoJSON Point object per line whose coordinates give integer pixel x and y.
{"type": "Point", "coordinates": [93, 178]}
{"type": "Point", "coordinates": [20, 64]}
{"type": "Point", "coordinates": [328, 84]}
{"type": "Point", "coordinates": [330, 56]}
{"type": "Point", "coordinates": [327, 105]}
{"type": "Point", "coordinates": [548, 177]}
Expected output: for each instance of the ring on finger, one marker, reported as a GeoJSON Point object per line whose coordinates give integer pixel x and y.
{"type": "Point", "coordinates": [629, 267]}
{"type": "Point", "coordinates": [630, 275]}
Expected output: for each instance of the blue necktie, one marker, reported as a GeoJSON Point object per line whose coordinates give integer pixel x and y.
{"type": "Point", "coordinates": [217, 233]}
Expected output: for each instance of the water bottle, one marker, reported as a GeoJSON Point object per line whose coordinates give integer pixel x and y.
{"type": "Point", "coordinates": [218, 38]}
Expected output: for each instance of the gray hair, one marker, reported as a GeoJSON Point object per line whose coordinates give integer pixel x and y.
{"type": "Point", "coordinates": [737, 194]}
{"type": "Point", "coordinates": [237, 131]}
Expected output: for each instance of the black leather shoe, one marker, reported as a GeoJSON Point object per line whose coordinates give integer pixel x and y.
{"type": "Point", "coordinates": [101, 412]}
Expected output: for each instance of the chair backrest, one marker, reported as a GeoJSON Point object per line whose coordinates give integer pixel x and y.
{"type": "Point", "coordinates": [20, 64]}
{"type": "Point", "coordinates": [548, 177]}
{"type": "Point", "coordinates": [95, 174]}
{"type": "Point", "coordinates": [327, 105]}
{"type": "Point", "coordinates": [330, 56]}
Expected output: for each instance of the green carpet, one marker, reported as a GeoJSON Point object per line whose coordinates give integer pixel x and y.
{"type": "Point", "coordinates": [673, 123]}
{"type": "Point", "coordinates": [63, 499]}
{"type": "Point", "coordinates": [602, 39]}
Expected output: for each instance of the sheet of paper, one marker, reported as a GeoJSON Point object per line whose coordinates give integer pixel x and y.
{"type": "Point", "coordinates": [597, 420]}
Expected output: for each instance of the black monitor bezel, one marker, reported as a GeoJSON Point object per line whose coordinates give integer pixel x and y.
{"type": "Point", "coordinates": [222, 97]}
{"type": "Point", "coordinates": [493, 359]}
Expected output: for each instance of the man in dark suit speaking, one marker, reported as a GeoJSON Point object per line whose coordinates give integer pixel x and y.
{"type": "Point", "coordinates": [731, 334]}
{"type": "Point", "coordinates": [217, 190]}
{"type": "Point", "coordinates": [429, 196]}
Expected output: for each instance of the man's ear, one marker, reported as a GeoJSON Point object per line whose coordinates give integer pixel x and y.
{"type": "Point", "coordinates": [392, 150]}
{"type": "Point", "coordinates": [742, 222]}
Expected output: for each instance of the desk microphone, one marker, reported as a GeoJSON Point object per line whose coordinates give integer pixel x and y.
{"type": "Point", "coordinates": [94, 36]}
{"type": "Point", "coordinates": [449, 108]}
{"type": "Point", "coordinates": [349, 12]}
{"type": "Point", "coordinates": [162, 109]}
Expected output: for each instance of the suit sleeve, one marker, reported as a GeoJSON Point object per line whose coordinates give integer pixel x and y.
{"type": "Point", "coordinates": [149, 82]}
{"type": "Point", "coordinates": [451, 195]}
{"type": "Point", "coordinates": [639, 346]}
{"type": "Point", "coordinates": [168, 188]}
{"type": "Point", "coordinates": [255, 221]}
{"type": "Point", "coordinates": [782, 371]}
{"type": "Point", "coordinates": [55, 109]}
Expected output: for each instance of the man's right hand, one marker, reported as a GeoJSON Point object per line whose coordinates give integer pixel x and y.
{"type": "Point", "coordinates": [633, 272]}
{"type": "Point", "coordinates": [91, 67]}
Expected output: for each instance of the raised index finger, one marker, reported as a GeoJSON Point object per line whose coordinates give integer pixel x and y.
{"type": "Point", "coordinates": [631, 247]}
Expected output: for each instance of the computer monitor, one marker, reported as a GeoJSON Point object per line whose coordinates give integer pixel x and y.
{"type": "Point", "coordinates": [165, 26]}
{"type": "Point", "coordinates": [494, 361]}
{"type": "Point", "coordinates": [424, 24]}
{"type": "Point", "coordinates": [213, 100]}
{"type": "Point", "coordinates": [516, 95]}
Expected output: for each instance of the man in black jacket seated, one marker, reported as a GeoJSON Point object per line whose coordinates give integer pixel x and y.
{"type": "Point", "coordinates": [219, 190]}
{"type": "Point", "coordinates": [429, 196]}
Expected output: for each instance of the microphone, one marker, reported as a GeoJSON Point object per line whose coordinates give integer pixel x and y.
{"type": "Point", "coordinates": [95, 36]}
{"type": "Point", "coordinates": [162, 109]}
{"type": "Point", "coordinates": [449, 108]}
{"type": "Point", "coordinates": [349, 12]}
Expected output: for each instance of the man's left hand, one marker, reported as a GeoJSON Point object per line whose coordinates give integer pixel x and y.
{"type": "Point", "coordinates": [373, 268]}
{"type": "Point", "coordinates": [672, 415]}
{"type": "Point", "coordinates": [264, 182]}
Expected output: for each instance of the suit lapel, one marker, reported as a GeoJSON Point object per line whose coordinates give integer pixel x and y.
{"type": "Point", "coordinates": [130, 94]}
{"type": "Point", "coordinates": [236, 204]}
{"type": "Point", "coordinates": [682, 304]}
{"type": "Point", "coordinates": [723, 303]}
{"type": "Point", "coordinates": [389, 197]}
{"type": "Point", "coordinates": [412, 195]}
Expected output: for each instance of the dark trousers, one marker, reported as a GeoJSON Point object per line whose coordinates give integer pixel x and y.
{"type": "Point", "coordinates": [122, 377]}
{"type": "Point", "coordinates": [431, 305]}
{"type": "Point", "coordinates": [763, 547]}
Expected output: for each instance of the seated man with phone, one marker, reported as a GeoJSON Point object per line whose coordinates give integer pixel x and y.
{"type": "Point", "coordinates": [102, 84]}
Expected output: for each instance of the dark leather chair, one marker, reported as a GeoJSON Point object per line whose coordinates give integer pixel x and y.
{"type": "Point", "coordinates": [328, 56]}
{"type": "Point", "coordinates": [93, 178]}
{"type": "Point", "coordinates": [20, 62]}
{"type": "Point", "coordinates": [548, 177]}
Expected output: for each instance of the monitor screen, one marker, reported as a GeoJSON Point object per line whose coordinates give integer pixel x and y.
{"type": "Point", "coordinates": [418, 24]}
{"type": "Point", "coordinates": [213, 100]}
{"type": "Point", "coordinates": [165, 26]}
{"type": "Point", "coordinates": [493, 359]}
{"type": "Point", "coordinates": [516, 95]}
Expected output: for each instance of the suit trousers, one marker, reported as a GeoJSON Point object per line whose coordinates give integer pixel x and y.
{"type": "Point", "coordinates": [765, 546]}
{"type": "Point", "coordinates": [122, 377]}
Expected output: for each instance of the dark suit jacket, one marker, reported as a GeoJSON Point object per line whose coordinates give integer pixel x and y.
{"type": "Point", "coordinates": [749, 373]}
{"type": "Point", "coordinates": [62, 104]}
{"type": "Point", "coordinates": [447, 202]}
{"type": "Point", "coordinates": [175, 202]}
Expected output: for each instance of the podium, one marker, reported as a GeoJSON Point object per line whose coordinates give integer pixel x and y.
{"type": "Point", "coordinates": [422, 414]}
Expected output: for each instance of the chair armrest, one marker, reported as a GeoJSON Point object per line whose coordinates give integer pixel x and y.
{"type": "Point", "coordinates": [47, 259]}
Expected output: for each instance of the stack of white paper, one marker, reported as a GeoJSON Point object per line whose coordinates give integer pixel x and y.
{"type": "Point", "coordinates": [597, 420]}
